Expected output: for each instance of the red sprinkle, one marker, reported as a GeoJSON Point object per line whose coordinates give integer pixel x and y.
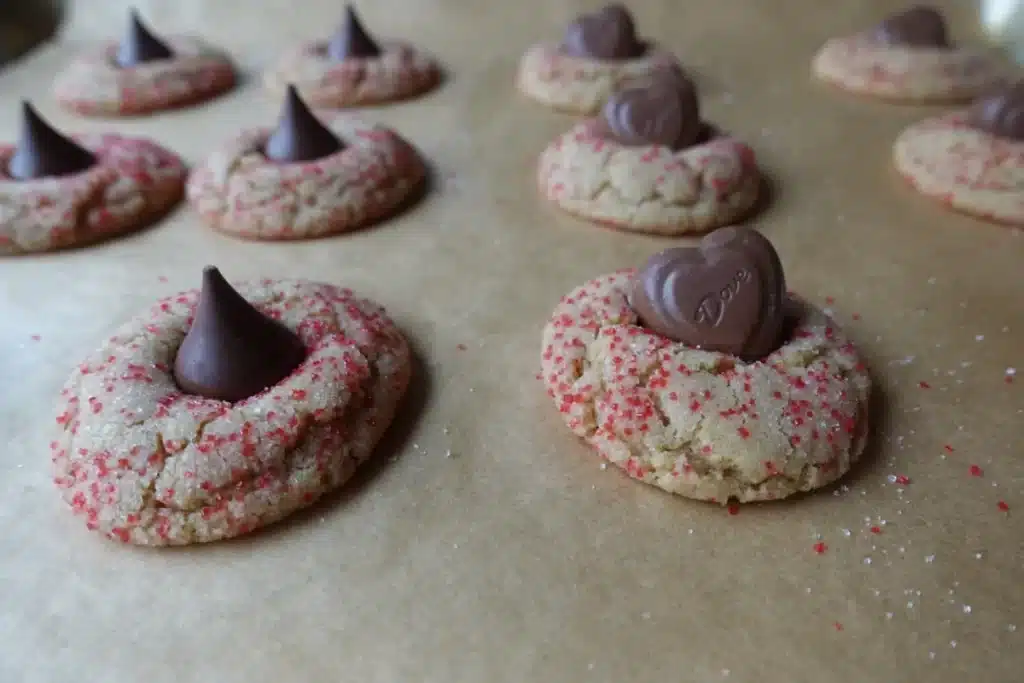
{"type": "Point", "coordinates": [839, 627]}
{"type": "Point", "coordinates": [734, 508]}
{"type": "Point", "coordinates": [976, 471]}
{"type": "Point", "coordinates": [876, 529]}
{"type": "Point", "coordinates": [36, 337]}
{"type": "Point", "coordinates": [1003, 505]}
{"type": "Point", "coordinates": [948, 448]}
{"type": "Point", "coordinates": [161, 278]}
{"type": "Point", "coordinates": [820, 548]}
{"type": "Point", "coordinates": [924, 385]}
{"type": "Point", "coordinates": [902, 479]}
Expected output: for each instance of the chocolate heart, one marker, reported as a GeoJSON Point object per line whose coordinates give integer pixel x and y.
{"type": "Point", "coordinates": [608, 34]}
{"type": "Point", "coordinates": [1000, 113]}
{"type": "Point", "coordinates": [724, 295]}
{"type": "Point", "coordinates": [664, 111]}
{"type": "Point", "coordinates": [919, 26]}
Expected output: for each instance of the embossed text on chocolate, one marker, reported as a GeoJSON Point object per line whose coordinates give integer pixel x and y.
{"type": "Point", "coordinates": [711, 308]}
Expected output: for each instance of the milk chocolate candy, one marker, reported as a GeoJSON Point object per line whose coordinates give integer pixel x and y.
{"type": "Point", "coordinates": [42, 152]}
{"type": "Point", "coordinates": [139, 45]}
{"type": "Point", "coordinates": [351, 39]}
{"type": "Point", "coordinates": [662, 111]}
{"type": "Point", "coordinates": [919, 26]}
{"type": "Point", "coordinates": [299, 136]}
{"type": "Point", "coordinates": [726, 294]}
{"type": "Point", "coordinates": [608, 34]}
{"type": "Point", "coordinates": [1000, 113]}
{"type": "Point", "coordinates": [232, 351]}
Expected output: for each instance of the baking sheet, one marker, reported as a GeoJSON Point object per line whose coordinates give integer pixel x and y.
{"type": "Point", "coordinates": [485, 543]}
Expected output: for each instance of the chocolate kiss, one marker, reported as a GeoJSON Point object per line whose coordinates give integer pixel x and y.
{"type": "Point", "coordinates": [726, 295]}
{"type": "Point", "coordinates": [139, 45]}
{"type": "Point", "coordinates": [351, 39]}
{"type": "Point", "coordinates": [299, 135]}
{"type": "Point", "coordinates": [918, 26]}
{"type": "Point", "coordinates": [232, 351]}
{"type": "Point", "coordinates": [43, 152]}
{"type": "Point", "coordinates": [1000, 113]}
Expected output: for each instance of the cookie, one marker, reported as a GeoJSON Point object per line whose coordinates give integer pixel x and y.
{"type": "Point", "coordinates": [966, 168]}
{"type": "Point", "coordinates": [61, 192]}
{"type": "Point", "coordinates": [650, 189]}
{"type": "Point", "coordinates": [144, 463]}
{"type": "Point", "coordinates": [143, 74]}
{"type": "Point", "coordinates": [909, 58]}
{"type": "Point", "coordinates": [352, 69]}
{"type": "Point", "coordinates": [264, 185]}
{"type": "Point", "coordinates": [701, 424]}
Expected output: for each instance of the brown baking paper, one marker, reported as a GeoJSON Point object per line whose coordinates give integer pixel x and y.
{"type": "Point", "coordinates": [485, 543]}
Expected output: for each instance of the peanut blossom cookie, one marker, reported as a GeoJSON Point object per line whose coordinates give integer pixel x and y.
{"type": "Point", "coordinates": [143, 74]}
{"type": "Point", "coordinates": [649, 164]}
{"type": "Point", "coordinates": [223, 410]}
{"type": "Point", "coordinates": [352, 69]}
{"type": "Point", "coordinates": [307, 178]}
{"type": "Point", "coordinates": [57, 192]}
{"type": "Point", "coordinates": [599, 53]}
{"type": "Point", "coordinates": [971, 161]}
{"type": "Point", "coordinates": [700, 375]}
{"type": "Point", "coordinates": [909, 57]}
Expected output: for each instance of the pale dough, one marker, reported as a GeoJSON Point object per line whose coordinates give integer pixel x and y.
{"type": "Point", "coordinates": [400, 72]}
{"type": "Point", "coordinates": [581, 86]}
{"type": "Point", "coordinates": [93, 85]}
{"type": "Point", "coordinates": [964, 168]}
{"type": "Point", "coordinates": [237, 190]}
{"type": "Point", "coordinates": [706, 425]}
{"type": "Point", "coordinates": [145, 464]}
{"type": "Point", "coordinates": [133, 183]}
{"type": "Point", "coordinates": [649, 189]}
{"type": "Point", "coordinates": [860, 65]}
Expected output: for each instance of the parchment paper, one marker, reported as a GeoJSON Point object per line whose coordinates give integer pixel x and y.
{"type": "Point", "coordinates": [485, 543]}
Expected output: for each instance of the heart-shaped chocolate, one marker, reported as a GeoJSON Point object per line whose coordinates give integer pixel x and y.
{"type": "Point", "coordinates": [664, 111]}
{"type": "Point", "coordinates": [607, 34]}
{"type": "Point", "coordinates": [1000, 113]}
{"type": "Point", "coordinates": [919, 26]}
{"type": "Point", "coordinates": [727, 294]}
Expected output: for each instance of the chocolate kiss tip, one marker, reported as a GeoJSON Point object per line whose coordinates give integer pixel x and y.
{"type": "Point", "coordinates": [42, 152]}
{"type": "Point", "coordinates": [299, 135]}
{"type": "Point", "coordinates": [351, 39]}
{"type": "Point", "coordinates": [139, 45]}
{"type": "Point", "coordinates": [233, 351]}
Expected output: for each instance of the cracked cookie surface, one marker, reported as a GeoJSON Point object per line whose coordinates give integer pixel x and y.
{"type": "Point", "coordinates": [862, 66]}
{"type": "Point", "coordinates": [134, 182]}
{"type": "Point", "coordinates": [145, 464]}
{"type": "Point", "coordinates": [964, 168]}
{"type": "Point", "coordinates": [699, 424]}
{"type": "Point", "coordinates": [649, 189]}
{"type": "Point", "coordinates": [93, 84]}
{"type": "Point", "coordinates": [237, 190]}
{"type": "Point", "coordinates": [580, 86]}
{"type": "Point", "coordinates": [401, 71]}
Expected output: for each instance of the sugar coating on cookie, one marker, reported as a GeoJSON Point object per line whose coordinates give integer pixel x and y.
{"type": "Point", "coordinates": [237, 190]}
{"type": "Point", "coordinates": [700, 424]}
{"type": "Point", "coordinates": [649, 189]}
{"type": "Point", "coordinates": [133, 182]}
{"type": "Point", "coordinates": [400, 72]}
{"type": "Point", "coordinates": [860, 65]}
{"type": "Point", "coordinates": [580, 86]}
{"type": "Point", "coordinates": [146, 464]}
{"type": "Point", "coordinates": [93, 84]}
{"type": "Point", "coordinates": [966, 169]}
